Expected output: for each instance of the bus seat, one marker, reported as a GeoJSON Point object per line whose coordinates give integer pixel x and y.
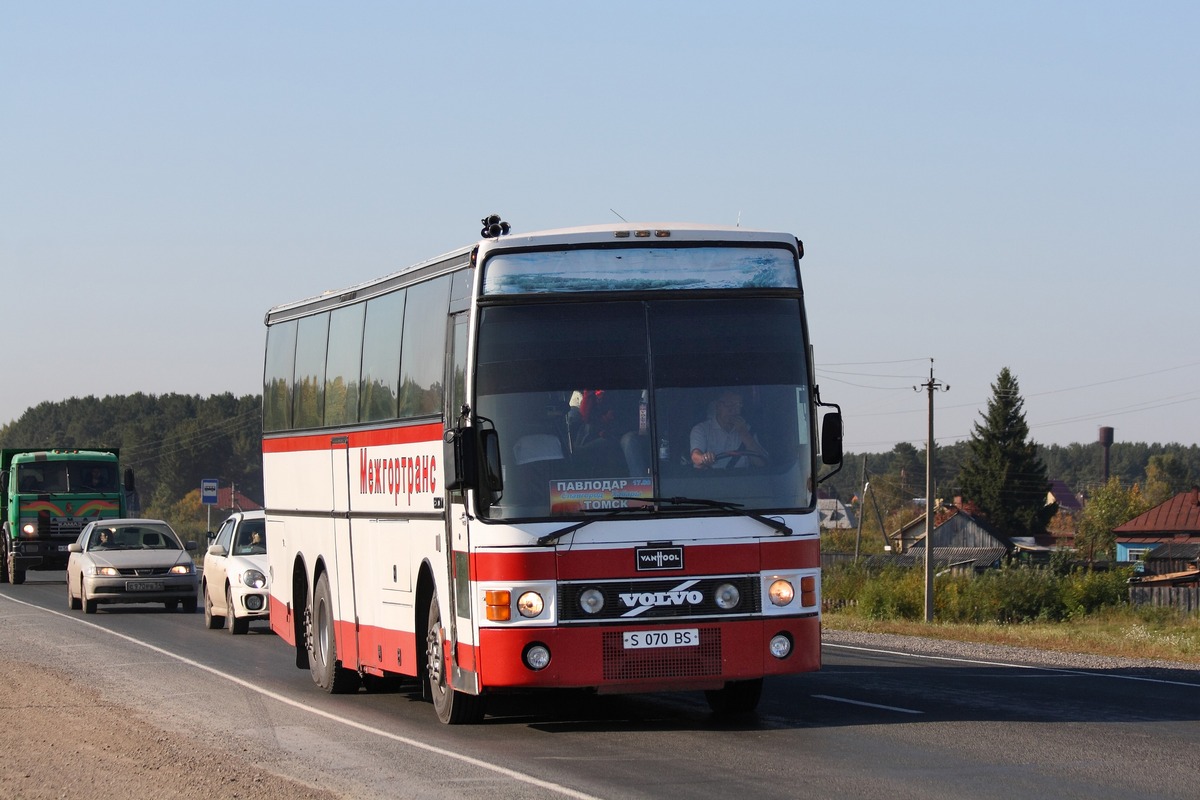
{"type": "Point", "coordinates": [537, 447]}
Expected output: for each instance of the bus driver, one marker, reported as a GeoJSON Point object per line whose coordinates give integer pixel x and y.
{"type": "Point", "coordinates": [724, 439]}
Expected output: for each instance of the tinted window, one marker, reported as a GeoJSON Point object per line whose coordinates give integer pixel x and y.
{"type": "Point", "coordinates": [381, 356]}
{"type": "Point", "coordinates": [308, 400]}
{"type": "Point", "coordinates": [343, 364]}
{"type": "Point", "coordinates": [277, 376]}
{"type": "Point", "coordinates": [423, 359]}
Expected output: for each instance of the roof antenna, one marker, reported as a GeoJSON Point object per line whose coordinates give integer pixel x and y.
{"type": "Point", "coordinates": [739, 220]}
{"type": "Point", "coordinates": [618, 215]}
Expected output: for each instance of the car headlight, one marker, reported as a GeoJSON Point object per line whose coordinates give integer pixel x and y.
{"type": "Point", "coordinates": [254, 579]}
{"type": "Point", "coordinates": [182, 569]}
{"type": "Point", "coordinates": [109, 572]}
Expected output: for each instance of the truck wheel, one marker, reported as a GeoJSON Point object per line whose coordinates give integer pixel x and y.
{"type": "Point", "coordinates": [453, 707]}
{"type": "Point", "coordinates": [4, 558]}
{"type": "Point", "coordinates": [322, 645]}
{"type": "Point", "coordinates": [236, 626]}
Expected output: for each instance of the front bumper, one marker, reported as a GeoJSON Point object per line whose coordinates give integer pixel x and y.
{"type": "Point", "coordinates": [250, 603]}
{"type": "Point", "coordinates": [158, 589]}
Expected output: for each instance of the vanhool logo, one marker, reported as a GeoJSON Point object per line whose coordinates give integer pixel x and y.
{"type": "Point", "coordinates": [655, 558]}
{"type": "Point", "coordinates": [682, 594]}
{"type": "Point", "coordinates": [399, 477]}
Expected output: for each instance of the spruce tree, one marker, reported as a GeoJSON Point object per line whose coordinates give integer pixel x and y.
{"type": "Point", "coordinates": [1003, 475]}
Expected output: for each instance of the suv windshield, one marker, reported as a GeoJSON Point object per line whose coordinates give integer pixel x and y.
{"type": "Point", "coordinates": [596, 403]}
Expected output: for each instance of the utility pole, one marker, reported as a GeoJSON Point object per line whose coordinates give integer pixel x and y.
{"type": "Point", "coordinates": [930, 386]}
{"type": "Point", "coordinates": [862, 506]}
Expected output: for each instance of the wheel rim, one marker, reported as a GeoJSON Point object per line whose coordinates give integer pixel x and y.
{"type": "Point", "coordinates": [323, 634]}
{"type": "Point", "coordinates": [433, 656]}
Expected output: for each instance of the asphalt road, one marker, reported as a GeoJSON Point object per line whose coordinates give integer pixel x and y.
{"type": "Point", "coordinates": [872, 724]}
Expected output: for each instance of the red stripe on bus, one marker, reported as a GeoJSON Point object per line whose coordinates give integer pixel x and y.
{"type": "Point", "coordinates": [409, 434]}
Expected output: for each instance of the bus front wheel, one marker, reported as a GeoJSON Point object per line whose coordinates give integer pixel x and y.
{"type": "Point", "coordinates": [452, 707]}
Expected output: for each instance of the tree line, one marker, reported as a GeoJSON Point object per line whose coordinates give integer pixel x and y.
{"type": "Point", "coordinates": [1003, 476]}
{"type": "Point", "coordinates": [171, 442]}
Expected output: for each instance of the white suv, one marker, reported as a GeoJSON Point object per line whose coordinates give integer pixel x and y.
{"type": "Point", "coordinates": [234, 582]}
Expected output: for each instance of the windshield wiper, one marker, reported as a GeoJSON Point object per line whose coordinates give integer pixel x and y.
{"type": "Point", "coordinates": [701, 502]}
{"type": "Point", "coordinates": [611, 512]}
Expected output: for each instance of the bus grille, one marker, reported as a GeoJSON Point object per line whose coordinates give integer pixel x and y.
{"type": "Point", "coordinates": [662, 662]}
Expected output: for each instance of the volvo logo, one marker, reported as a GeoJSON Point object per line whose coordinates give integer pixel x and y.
{"type": "Point", "coordinates": [637, 602]}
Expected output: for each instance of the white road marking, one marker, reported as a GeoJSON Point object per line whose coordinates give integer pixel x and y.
{"type": "Point", "coordinates": [508, 773]}
{"type": "Point", "coordinates": [868, 705]}
{"type": "Point", "coordinates": [1095, 674]}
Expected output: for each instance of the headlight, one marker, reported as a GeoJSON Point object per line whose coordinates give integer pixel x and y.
{"type": "Point", "coordinates": [727, 596]}
{"type": "Point", "coordinates": [591, 601]}
{"type": "Point", "coordinates": [781, 592]}
{"type": "Point", "coordinates": [530, 604]}
{"type": "Point", "coordinates": [254, 579]}
{"type": "Point", "coordinates": [182, 569]}
{"type": "Point", "coordinates": [29, 529]}
{"type": "Point", "coordinates": [110, 572]}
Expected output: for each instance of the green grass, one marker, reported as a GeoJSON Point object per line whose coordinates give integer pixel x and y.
{"type": "Point", "coordinates": [1157, 633]}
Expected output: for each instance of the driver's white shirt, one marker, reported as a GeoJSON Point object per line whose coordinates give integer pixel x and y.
{"type": "Point", "coordinates": [709, 436]}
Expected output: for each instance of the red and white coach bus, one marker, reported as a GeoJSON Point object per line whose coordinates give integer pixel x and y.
{"type": "Point", "coordinates": [574, 458]}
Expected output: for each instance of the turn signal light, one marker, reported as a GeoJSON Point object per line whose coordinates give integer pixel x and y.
{"type": "Point", "coordinates": [808, 591]}
{"type": "Point", "coordinates": [499, 604]}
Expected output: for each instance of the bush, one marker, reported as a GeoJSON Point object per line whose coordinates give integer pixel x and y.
{"type": "Point", "coordinates": [1010, 595]}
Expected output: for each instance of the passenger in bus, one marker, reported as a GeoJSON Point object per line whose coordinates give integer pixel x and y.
{"type": "Point", "coordinates": [725, 440]}
{"type": "Point", "coordinates": [607, 432]}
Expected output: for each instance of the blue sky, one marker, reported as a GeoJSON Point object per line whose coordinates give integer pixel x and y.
{"type": "Point", "coordinates": [1007, 184]}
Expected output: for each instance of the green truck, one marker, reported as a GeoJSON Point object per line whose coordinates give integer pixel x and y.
{"type": "Point", "coordinates": [49, 495]}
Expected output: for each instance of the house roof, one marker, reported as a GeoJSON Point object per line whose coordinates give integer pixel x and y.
{"type": "Point", "coordinates": [1061, 493]}
{"type": "Point", "coordinates": [229, 499]}
{"type": "Point", "coordinates": [978, 557]}
{"type": "Point", "coordinates": [1175, 551]}
{"type": "Point", "coordinates": [1180, 514]}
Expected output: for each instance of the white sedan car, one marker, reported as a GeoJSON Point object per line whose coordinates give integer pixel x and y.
{"type": "Point", "coordinates": [130, 561]}
{"type": "Point", "coordinates": [234, 584]}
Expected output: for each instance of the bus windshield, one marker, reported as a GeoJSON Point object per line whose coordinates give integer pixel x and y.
{"type": "Point", "coordinates": [596, 403]}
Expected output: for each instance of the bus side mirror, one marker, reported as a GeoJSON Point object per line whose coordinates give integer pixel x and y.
{"type": "Point", "coordinates": [831, 438]}
{"type": "Point", "coordinates": [493, 472]}
{"type": "Point", "coordinates": [460, 463]}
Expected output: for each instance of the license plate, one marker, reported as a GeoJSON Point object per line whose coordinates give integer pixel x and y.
{"type": "Point", "coordinates": [680, 637]}
{"type": "Point", "coordinates": [143, 586]}
{"type": "Point", "coordinates": [62, 548]}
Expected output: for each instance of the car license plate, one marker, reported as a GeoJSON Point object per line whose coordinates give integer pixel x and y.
{"type": "Point", "coordinates": [143, 586]}
{"type": "Point", "coordinates": [679, 637]}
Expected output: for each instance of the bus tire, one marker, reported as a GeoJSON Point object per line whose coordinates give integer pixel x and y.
{"type": "Point", "coordinates": [453, 707]}
{"type": "Point", "coordinates": [326, 672]}
{"type": "Point", "coordinates": [735, 698]}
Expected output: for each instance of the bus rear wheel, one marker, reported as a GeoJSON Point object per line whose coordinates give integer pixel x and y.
{"type": "Point", "coordinates": [736, 698]}
{"type": "Point", "coordinates": [453, 707]}
{"type": "Point", "coordinates": [322, 645]}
